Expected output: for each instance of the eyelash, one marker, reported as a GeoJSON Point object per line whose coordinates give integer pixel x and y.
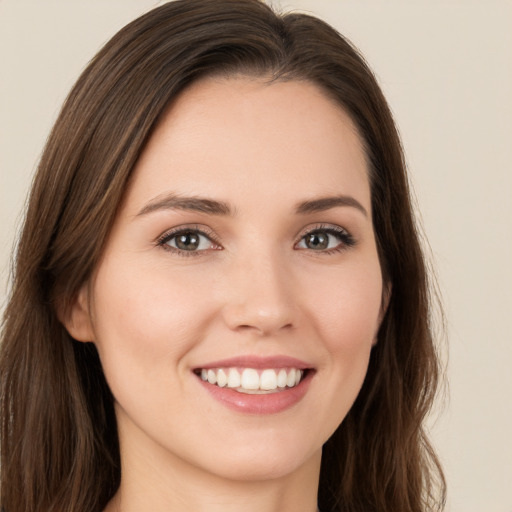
{"type": "Point", "coordinates": [164, 239]}
{"type": "Point", "coordinates": [346, 239]}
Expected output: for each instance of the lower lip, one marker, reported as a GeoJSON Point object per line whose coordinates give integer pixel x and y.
{"type": "Point", "coordinates": [270, 403]}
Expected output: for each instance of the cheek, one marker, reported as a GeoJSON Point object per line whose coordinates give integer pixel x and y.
{"type": "Point", "coordinates": [347, 308]}
{"type": "Point", "coordinates": [147, 320]}
{"type": "Point", "coordinates": [343, 310]}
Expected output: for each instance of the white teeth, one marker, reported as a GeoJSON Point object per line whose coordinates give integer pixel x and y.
{"type": "Point", "coordinates": [233, 378]}
{"type": "Point", "coordinates": [212, 377]}
{"type": "Point", "coordinates": [290, 381]}
{"type": "Point", "coordinates": [268, 380]}
{"type": "Point", "coordinates": [251, 380]}
{"type": "Point", "coordinates": [222, 378]}
{"type": "Point", "coordinates": [281, 378]}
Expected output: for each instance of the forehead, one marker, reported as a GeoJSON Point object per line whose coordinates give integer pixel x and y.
{"type": "Point", "coordinates": [246, 136]}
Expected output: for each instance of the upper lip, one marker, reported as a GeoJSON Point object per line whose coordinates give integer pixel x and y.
{"type": "Point", "coordinates": [258, 362]}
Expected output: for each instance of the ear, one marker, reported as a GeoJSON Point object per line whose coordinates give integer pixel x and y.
{"type": "Point", "coordinates": [76, 316]}
{"type": "Point", "coordinates": [386, 296]}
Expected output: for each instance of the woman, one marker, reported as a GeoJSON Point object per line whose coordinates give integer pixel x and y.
{"type": "Point", "coordinates": [219, 297]}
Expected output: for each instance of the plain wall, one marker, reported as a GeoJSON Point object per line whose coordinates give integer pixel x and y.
{"type": "Point", "coordinates": [446, 68]}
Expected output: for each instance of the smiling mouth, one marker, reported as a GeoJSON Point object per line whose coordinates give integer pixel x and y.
{"type": "Point", "coordinates": [251, 380]}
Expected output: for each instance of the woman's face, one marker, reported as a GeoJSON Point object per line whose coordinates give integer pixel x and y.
{"type": "Point", "coordinates": [243, 254]}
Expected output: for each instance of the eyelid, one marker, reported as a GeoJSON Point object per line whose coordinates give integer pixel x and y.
{"type": "Point", "coordinates": [345, 237]}
{"type": "Point", "coordinates": [167, 235]}
{"type": "Point", "coordinates": [347, 240]}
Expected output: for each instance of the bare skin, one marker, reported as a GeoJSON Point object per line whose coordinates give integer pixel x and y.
{"type": "Point", "coordinates": [272, 255]}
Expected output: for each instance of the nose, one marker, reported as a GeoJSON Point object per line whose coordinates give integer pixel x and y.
{"type": "Point", "coordinates": [259, 296]}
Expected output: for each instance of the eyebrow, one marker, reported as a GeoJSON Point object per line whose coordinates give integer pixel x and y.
{"type": "Point", "coordinates": [326, 203]}
{"type": "Point", "coordinates": [190, 203]}
{"type": "Point", "coordinates": [214, 207]}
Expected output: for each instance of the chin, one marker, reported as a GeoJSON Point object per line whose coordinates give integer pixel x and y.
{"type": "Point", "coordinates": [263, 468]}
{"type": "Point", "coordinates": [261, 460]}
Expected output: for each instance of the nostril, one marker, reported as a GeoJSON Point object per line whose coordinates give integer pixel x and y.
{"type": "Point", "coordinates": [263, 328]}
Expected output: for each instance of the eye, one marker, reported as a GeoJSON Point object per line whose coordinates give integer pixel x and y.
{"type": "Point", "coordinates": [333, 238]}
{"type": "Point", "coordinates": [187, 240]}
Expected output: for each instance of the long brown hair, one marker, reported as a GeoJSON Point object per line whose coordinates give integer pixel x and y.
{"type": "Point", "coordinates": [59, 446]}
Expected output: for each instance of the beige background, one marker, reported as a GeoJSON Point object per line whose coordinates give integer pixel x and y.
{"type": "Point", "coordinates": [446, 67]}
